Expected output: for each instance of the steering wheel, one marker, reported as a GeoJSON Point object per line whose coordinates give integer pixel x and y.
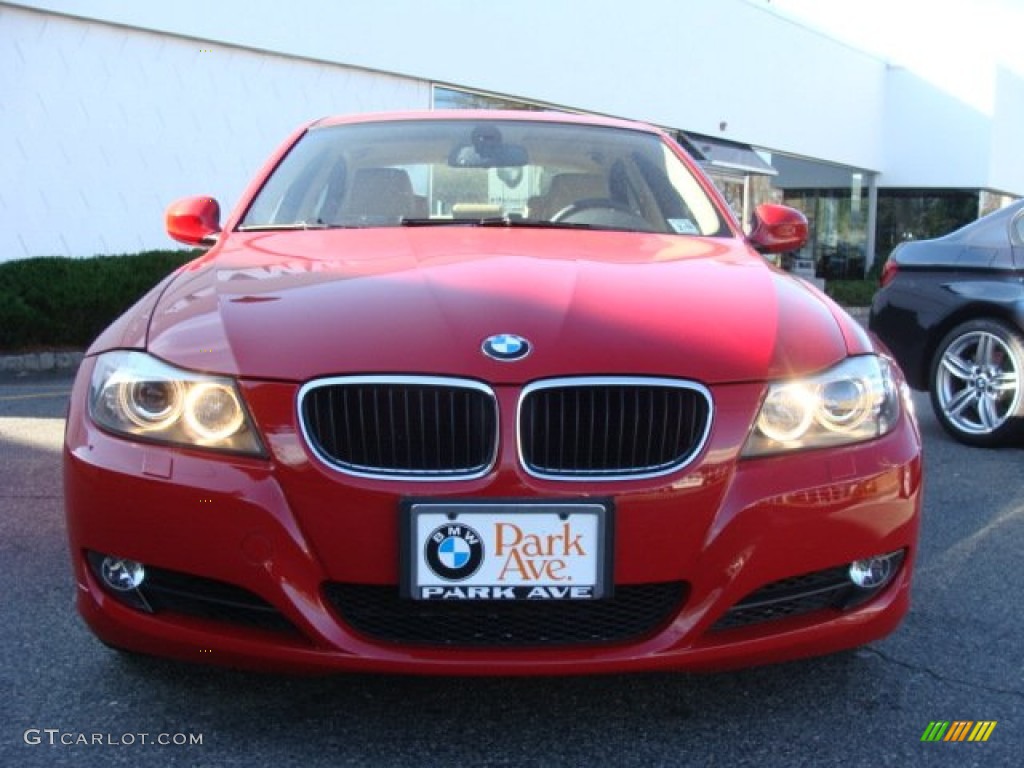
{"type": "Point", "coordinates": [603, 213]}
{"type": "Point", "coordinates": [591, 204]}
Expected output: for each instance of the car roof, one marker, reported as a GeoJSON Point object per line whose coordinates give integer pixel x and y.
{"type": "Point", "coordinates": [487, 114]}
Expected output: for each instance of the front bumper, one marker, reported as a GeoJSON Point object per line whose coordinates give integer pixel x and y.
{"type": "Point", "coordinates": [285, 532]}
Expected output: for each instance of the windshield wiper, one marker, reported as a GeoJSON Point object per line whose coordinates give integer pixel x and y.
{"type": "Point", "coordinates": [411, 221]}
{"type": "Point", "coordinates": [495, 221]}
{"type": "Point", "coordinates": [293, 225]}
{"type": "Point", "coordinates": [508, 221]}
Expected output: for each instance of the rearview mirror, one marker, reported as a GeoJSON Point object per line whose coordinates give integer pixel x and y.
{"type": "Point", "coordinates": [777, 229]}
{"type": "Point", "coordinates": [486, 149]}
{"type": "Point", "coordinates": [502, 156]}
{"type": "Point", "coordinates": [194, 220]}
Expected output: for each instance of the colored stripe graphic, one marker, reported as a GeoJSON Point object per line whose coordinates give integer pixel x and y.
{"type": "Point", "coordinates": [982, 730]}
{"type": "Point", "coordinates": [959, 730]}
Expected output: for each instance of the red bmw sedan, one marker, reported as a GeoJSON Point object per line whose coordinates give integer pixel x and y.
{"type": "Point", "coordinates": [488, 393]}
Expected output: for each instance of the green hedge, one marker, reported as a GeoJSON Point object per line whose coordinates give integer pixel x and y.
{"type": "Point", "coordinates": [852, 293]}
{"type": "Point", "coordinates": [54, 302]}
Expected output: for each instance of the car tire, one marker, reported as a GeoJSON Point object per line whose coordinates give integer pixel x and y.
{"type": "Point", "coordinates": [976, 382]}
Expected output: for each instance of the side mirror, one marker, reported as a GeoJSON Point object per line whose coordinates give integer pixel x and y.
{"type": "Point", "coordinates": [194, 220]}
{"type": "Point", "coordinates": [778, 228]}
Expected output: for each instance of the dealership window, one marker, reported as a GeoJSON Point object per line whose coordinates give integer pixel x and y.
{"type": "Point", "coordinates": [988, 202]}
{"type": "Point", "coordinates": [836, 199]}
{"type": "Point", "coordinates": [837, 239]}
{"type": "Point", "coordinates": [918, 214]}
{"type": "Point", "coordinates": [457, 98]}
{"type": "Point", "coordinates": [741, 173]}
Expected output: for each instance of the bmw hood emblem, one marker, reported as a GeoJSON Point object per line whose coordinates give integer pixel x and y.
{"type": "Point", "coordinates": [506, 347]}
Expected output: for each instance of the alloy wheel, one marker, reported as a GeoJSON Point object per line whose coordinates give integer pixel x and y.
{"type": "Point", "coordinates": [978, 382]}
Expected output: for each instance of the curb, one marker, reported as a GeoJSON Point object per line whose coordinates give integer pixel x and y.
{"type": "Point", "coordinates": [860, 314]}
{"type": "Point", "coordinates": [40, 362]}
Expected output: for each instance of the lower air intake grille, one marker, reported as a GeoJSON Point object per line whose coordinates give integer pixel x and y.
{"type": "Point", "coordinates": [634, 612]}
{"type": "Point", "coordinates": [604, 428]}
{"type": "Point", "coordinates": [181, 593]}
{"type": "Point", "coordinates": [790, 597]}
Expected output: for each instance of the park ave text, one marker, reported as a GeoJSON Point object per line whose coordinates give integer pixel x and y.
{"type": "Point", "coordinates": [533, 567]}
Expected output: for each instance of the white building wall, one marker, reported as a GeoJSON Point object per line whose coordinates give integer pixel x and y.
{"type": "Point", "coordinates": [690, 64]}
{"type": "Point", "coordinates": [103, 126]}
{"type": "Point", "coordinates": [932, 139]}
{"type": "Point", "coordinates": [1006, 161]}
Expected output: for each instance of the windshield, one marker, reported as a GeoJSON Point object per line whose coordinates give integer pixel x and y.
{"type": "Point", "coordinates": [485, 172]}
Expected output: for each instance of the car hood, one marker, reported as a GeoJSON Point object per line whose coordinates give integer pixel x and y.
{"type": "Point", "coordinates": [422, 301]}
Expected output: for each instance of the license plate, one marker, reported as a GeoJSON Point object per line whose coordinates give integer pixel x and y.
{"type": "Point", "coordinates": [506, 551]}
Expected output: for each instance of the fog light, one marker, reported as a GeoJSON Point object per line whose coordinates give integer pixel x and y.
{"type": "Point", "coordinates": [873, 572]}
{"type": "Point", "coordinates": [121, 574]}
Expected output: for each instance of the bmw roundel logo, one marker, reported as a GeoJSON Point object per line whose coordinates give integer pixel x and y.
{"type": "Point", "coordinates": [506, 347]}
{"type": "Point", "coordinates": [454, 552]}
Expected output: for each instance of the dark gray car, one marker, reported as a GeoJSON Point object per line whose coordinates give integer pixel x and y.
{"type": "Point", "coordinates": [951, 310]}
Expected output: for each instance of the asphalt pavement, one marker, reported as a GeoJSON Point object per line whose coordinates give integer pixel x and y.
{"type": "Point", "coordinates": [67, 700]}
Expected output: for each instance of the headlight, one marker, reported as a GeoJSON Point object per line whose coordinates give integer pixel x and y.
{"type": "Point", "coordinates": [134, 394]}
{"type": "Point", "coordinates": [854, 401]}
